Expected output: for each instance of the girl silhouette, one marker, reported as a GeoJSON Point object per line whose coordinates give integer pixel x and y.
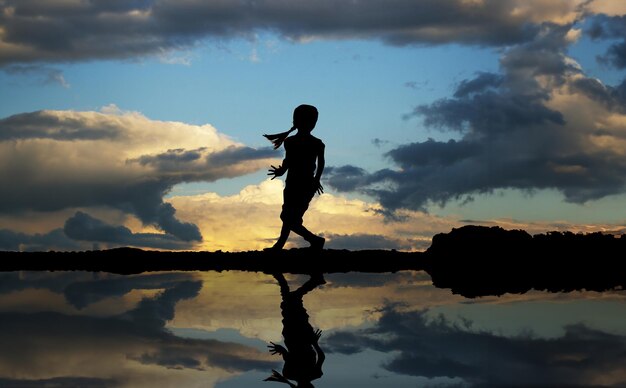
{"type": "Point", "coordinates": [304, 164]}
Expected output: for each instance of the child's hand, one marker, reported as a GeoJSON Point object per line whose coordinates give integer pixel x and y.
{"type": "Point", "coordinates": [276, 171]}
{"type": "Point", "coordinates": [276, 349]}
{"type": "Point", "coordinates": [317, 186]}
{"type": "Point", "coordinates": [318, 334]}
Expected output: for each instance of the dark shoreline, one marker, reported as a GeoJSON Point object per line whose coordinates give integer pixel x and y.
{"type": "Point", "coordinates": [132, 260]}
{"type": "Point", "coordinates": [471, 261]}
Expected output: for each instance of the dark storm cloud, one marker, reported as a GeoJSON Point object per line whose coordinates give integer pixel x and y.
{"type": "Point", "coordinates": [479, 84]}
{"type": "Point", "coordinates": [57, 31]}
{"type": "Point", "coordinates": [508, 136]}
{"type": "Point", "coordinates": [170, 358]}
{"type": "Point", "coordinates": [612, 97]}
{"type": "Point", "coordinates": [83, 227]}
{"type": "Point", "coordinates": [146, 201]}
{"type": "Point", "coordinates": [346, 178]}
{"type": "Point", "coordinates": [65, 381]}
{"type": "Point", "coordinates": [232, 155]}
{"type": "Point", "coordinates": [53, 240]}
{"type": "Point", "coordinates": [488, 112]}
{"type": "Point", "coordinates": [436, 348]}
{"type": "Point", "coordinates": [44, 125]}
{"type": "Point", "coordinates": [46, 75]}
{"type": "Point", "coordinates": [176, 156]}
{"type": "Point", "coordinates": [203, 161]}
{"type": "Point", "coordinates": [613, 28]}
{"type": "Point", "coordinates": [362, 241]}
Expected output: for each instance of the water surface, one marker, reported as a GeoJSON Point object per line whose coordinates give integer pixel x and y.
{"type": "Point", "coordinates": [212, 329]}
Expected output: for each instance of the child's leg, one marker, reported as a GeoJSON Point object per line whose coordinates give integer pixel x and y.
{"type": "Point", "coordinates": [315, 241]}
{"type": "Point", "coordinates": [309, 285]}
{"type": "Point", "coordinates": [302, 231]}
{"type": "Point", "coordinates": [282, 282]}
{"type": "Point", "coordinates": [284, 235]}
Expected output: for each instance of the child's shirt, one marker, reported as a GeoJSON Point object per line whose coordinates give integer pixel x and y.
{"type": "Point", "coordinates": [301, 152]}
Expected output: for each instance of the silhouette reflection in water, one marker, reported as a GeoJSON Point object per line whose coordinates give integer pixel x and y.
{"type": "Point", "coordinates": [302, 354]}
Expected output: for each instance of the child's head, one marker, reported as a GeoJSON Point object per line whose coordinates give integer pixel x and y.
{"type": "Point", "coordinates": [305, 117]}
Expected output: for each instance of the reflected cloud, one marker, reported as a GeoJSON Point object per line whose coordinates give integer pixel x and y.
{"type": "Point", "coordinates": [351, 299]}
{"type": "Point", "coordinates": [437, 347]}
{"type": "Point", "coordinates": [132, 349]}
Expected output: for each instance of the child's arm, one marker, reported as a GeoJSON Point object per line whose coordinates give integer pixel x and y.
{"type": "Point", "coordinates": [278, 171]}
{"type": "Point", "coordinates": [320, 353]}
{"type": "Point", "coordinates": [282, 168]}
{"type": "Point", "coordinates": [278, 349]}
{"type": "Point", "coordinates": [321, 162]}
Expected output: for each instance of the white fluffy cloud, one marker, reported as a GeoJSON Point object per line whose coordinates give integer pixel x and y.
{"type": "Point", "coordinates": [250, 220]}
{"type": "Point", "coordinates": [56, 160]}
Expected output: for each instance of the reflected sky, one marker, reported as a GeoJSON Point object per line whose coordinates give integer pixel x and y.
{"type": "Point", "coordinates": [210, 329]}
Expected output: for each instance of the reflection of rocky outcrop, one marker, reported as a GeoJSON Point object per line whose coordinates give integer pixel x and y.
{"type": "Point", "coordinates": [475, 261]}
{"type": "Point", "coordinates": [472, 261]}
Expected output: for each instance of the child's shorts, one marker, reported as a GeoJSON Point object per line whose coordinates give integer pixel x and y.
{"type": "Point", "coordinates": [296, 199]}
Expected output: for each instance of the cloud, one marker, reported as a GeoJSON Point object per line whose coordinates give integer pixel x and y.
{"type": "Point", "coordinates": [53, 240]}
{"type": "Point", "coordinates": [84, 232]}
{"type": "Point", "coordinates": [612, 97]}
{"type": "Point", "coordinates": [83, 227]}
{"type": "Point", "coordinates": [46, 75]}
{"type": "Point", "coordinates": [120, 160]}
{"type": "Point", "coordinates": [82, 293]}
{"type": "Point", "coordinates": [65, 381]}
{"type": "Point", "coordinates": [59, 125]}
{"type": "Point", "coordinates": [358, 241]}
{"type": "Point", "coordinates": [539, 124]}
{"type": "Point", "coordinates": [250, 220]}
{"type": "Point", "coordinates": [607, 7]}
{"type": "Point", "coordinates": [613, 28]}
{"type": "Point", "coordinates": [156, 312]}
{"type": "Point", "coordinates": [436, 348]}
{"type": "Point", "coordinates": [62, 31]}
{"type": "Point", "coordinates": [12, 281]}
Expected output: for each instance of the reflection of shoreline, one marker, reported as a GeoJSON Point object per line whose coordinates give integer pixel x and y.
{"type": "Point", "coordinates": [472, 261]}
{"type": "Point", "coordinates": [302, 354]}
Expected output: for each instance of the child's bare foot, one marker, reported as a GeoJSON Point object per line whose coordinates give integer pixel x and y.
{"type": "Point", "coordinates": [274, 248]}
{"type": "Point", "coordinates": [317, 243]}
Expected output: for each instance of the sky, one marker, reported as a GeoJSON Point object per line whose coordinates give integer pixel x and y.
{"type": "Point", "coordinates": [139, 123]}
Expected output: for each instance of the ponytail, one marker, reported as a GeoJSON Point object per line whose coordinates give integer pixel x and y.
{"type": "Point", "coordinates": [278, 138]}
